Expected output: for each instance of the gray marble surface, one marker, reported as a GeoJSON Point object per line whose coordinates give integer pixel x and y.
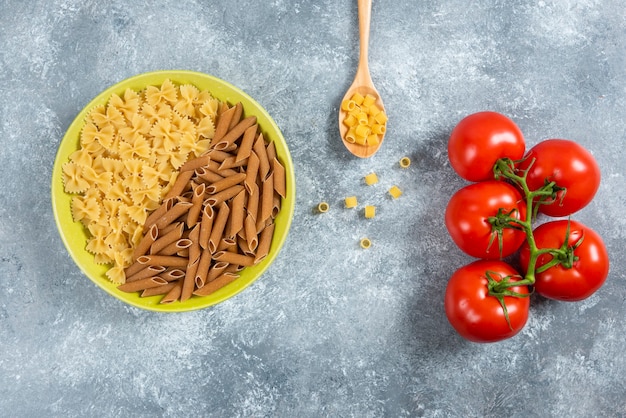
{"type": "Point", "coordinates": [330, 329]}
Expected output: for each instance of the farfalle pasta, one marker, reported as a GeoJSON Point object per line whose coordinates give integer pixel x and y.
{"type": "Point", "coordinates": [131, 150]}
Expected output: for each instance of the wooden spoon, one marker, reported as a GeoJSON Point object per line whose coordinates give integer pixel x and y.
{"type": "Point", "coordinates": [362, 83]}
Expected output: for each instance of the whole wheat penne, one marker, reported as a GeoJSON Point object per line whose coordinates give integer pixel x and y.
{"type": "Point", "coordinates": [223, 124]}
{"type": "Point", "coordinates": [226, 183]}
{"type": "Point", "coordinates": [216, 284]}
{"type": "Point", "coordinates": [181, 183]}
{"type": "Point", "coordinates": [206, 225]}
{"type": "Point", "coordinates": [267, 198]}
{"type": "Point", "coordinates": [189, 281]}
{"type": "Point", "coordinates": [231, 162]}
{"type": "Point", "coordinates": [245, 147]}
{"type": "Point", "coordinates": [219, 155]}
{"type": "Point", "coordinates": [149, 271]}
{"type": "Point", "coordinates": [261, 152]}
{"type": "Point", "coordinates": [162, 260]}
{"type": "Point", "coordinates": [234, 258]}
{"type": "Point", "coordinates": [250, 232]}
{"type": "Point", "coordinates": [203, 268]}
{"type": "Point", "coordinates": [226, 244]}
{"type": "Point", "coordinates": [276, 204]}
{"type": "Point", "coordinates": [141, 284]}
{"type": "Point", "coordinates": [174, 235]}
{"type": "Point", "coordinates": [176, 247]}
{"type": "Point", "coordinates": [236, 115]}
{"type": "Point", "coordinates": [174, 213]}
{"type": "Point", "coordinates": [134, 268]}
{"type": "Point", "coordinates": [271, 151]}
{"type": "Point", "coordinates": [218, 226]}
{"type": "Point", "coordinates": [279, 178]}
{"type": "Point", "coordinates": [265, 241]}
{"type": "Point", "coordinates": [232, 135]}
{"type": "Point", "coordinates": [174, 294]}
{"type": "Point", "coordinates": [196, 163]}
{"type": "Point", "coordinates": [216, 270]}
{"type": "Point", "coordinates": [224, 195]}
{"type": "Point", "coordinates": [159, 290]}
{"type": "Point", "coordinates": [158, 212]}
{"type": "Point", "coordinates": [194, 248]}
{"type": "Point", "coordinates": [172, 274]}
{"type": "Point", "coordinates": [225, 172]}
{"type": "Point", "coordinates": [207, 176]}
{"type": "Point", "coordinates": [146, 241]}
{"type": "Point", "coordinates": [252, 203]}
{"type": "Point", "coordinates": [237, 212]}
{"type": "Point", "coordinates": [196, 200]}
{"type": "Point", "coordinates": [252, 171]}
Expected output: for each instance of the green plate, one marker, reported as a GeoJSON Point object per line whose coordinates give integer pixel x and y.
{"type": "Point", "coordinates": [74, 235]}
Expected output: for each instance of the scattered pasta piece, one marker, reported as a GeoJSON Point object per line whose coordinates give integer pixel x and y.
{"type": "Point", "coordinates": [371, 178]}
{"type": "Point", "coordinates": [366, 122]}
{"type": "Point", "coordinates": [365, 243]}
{"type": "Point", "coordinates": [395, 192]}
{"type": "Point", "coordinates": [351, 202]}
{"type": "Point", "coordinates": [323, 207]}
{"type": "Point", "coordinates": [370, 211]}
{"type": "Point", "coordinates": [405, 162]}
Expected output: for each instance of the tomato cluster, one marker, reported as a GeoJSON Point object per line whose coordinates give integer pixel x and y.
{"type": "Point", "coordinates": [494, 218]}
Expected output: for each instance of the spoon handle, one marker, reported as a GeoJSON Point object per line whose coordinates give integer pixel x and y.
{"type": "Point", "coordinates": [365, 13]}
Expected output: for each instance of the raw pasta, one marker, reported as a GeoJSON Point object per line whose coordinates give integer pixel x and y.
{"type": "Point", "coordinates": [130, 151]}
{"type": "Point", "coordinates": [212, 226]}
{"type": "Point", "coordinates": [371, 179]}
{"type": "Point", "coordinates": [366, 122]}
{"type": "Point", "coordinates": [395, 192]}
{"type": "Point", "coordinates": [369, 211]}
{"type": "Point", "coordinates": [351, 202]}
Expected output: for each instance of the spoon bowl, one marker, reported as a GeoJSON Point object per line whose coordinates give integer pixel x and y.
{"type": "Point", "coordinates": [362, 84]}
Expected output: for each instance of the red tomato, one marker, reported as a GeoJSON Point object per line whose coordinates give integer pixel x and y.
{"type": "Point", "coordinates": [467, 218]}
{"type": "Point", "coordinates": [479, 140]}
{"type": "Point", "coordinates": [587, 273]}
{"type": "Point", "coordinates": [569, 165]}
{"type": "Point", "coordinates": [476, 315]}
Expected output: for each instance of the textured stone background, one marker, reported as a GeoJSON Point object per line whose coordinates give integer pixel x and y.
{"type": "Point", "coordinates": [330, 329]}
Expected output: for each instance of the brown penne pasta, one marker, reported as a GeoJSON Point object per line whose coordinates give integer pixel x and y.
{"type": "Point", "coordinates": [196, 200]}
{"type": "Point", "coordinates": [172, 274]}
{"type": "Point", "coordinates": [146, 242]}
{"type": "Point", "coordinates": [216, 284]}
{"type": "Point", "coordinates": [176, 247]}
{"type": "Point", "coordinates": [142, 284]}
{"type": "Point", "coordinates": [207, 176]}
{"type": "Point", "coordinates": [236, 115]}
{"type": "Point", "coordinates": [196, 163]}
{"type": "Point", "coordinates": [149, 271]}
{"type": "Point", "coordinates": [261, 152]}
{"type": "Point", "coordinates": [203, 268]}
{"type": "Point", "coordinates": [162, 260]}
{"type": "Point", "coordinates": [206, 225]}
{"type": "Point", "coordinates": [265, 241]}
{"type": "Point", "coordinates": [174, 213]}
{"type": "Point", "coordinates": [232, 135]}
{"type": "Point", "coordinates": [181, 183]}
{"type": "Point", "coordinates": [224, 195]}
{"type": "Point", "coordinates": [252, 239]}
{"type": "Point", "coordinates": [159, 290]}
{"type": "Point", "coordinates": [189, 280]}
{"type": "Point", "coordinates": [160, 211]}
{"type": "Point", "coordinates": [251, 172]}
{"type": "Point", "coordinates": [237, 212]}
{"type": "Point", "coordinates": [174, 235]}
{"type": "Point", "coordinates": [219, 224]}
{"type": "Point", "coordinates": [245, 147]}
{"type": "Point", "coordinates": [223, 124]}
{"type": "Point", "coordinates": [279, 178]}
{"type": "Point", "coordinates": [226, 183]}
{"type": "Point", "coordinates": [234, 258]}
{"type": "Point", "coordinates": [267, 198]}
{"type": "Point", "coordinates": [174, 294]}
{"type": "Point", "coordinates": [216, 270]}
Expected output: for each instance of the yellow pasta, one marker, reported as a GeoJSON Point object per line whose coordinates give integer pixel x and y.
{"type": "Point", "coordinates": [351, 202]}
{"type": "Point", "coordinates": [371, 179]}
{"type": "Point", "coordinates": [405, 162]}
{"type": "Point", "coordinates": [366, 122]}
{"type": "Point", "coordinates": [395, 192]}
{"type": "Point", "coordinates": [323, 207]}
{"type": "Point", "coordinates": [365, 243]}
{"type": "Point", "coordinates": [369, 211]}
